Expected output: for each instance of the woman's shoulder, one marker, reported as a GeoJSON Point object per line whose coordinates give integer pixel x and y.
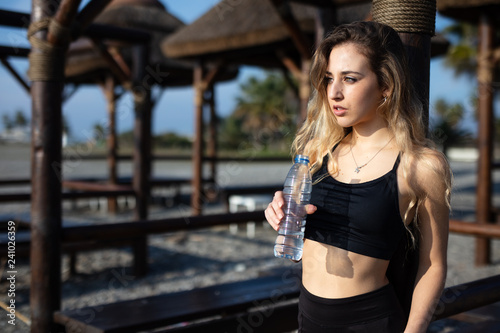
{"type": "Point", "coordinates": [430, 169]}
{"type": "Point", "coordinates": [426, 159]}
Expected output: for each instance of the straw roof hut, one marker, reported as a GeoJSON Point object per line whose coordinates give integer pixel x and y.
{"type": "Point", "coordinates": [247, 33]}
{"type": "Point", "coordinates": [250, 33]}
{"type": "Point", "coordinates": [85, 63]}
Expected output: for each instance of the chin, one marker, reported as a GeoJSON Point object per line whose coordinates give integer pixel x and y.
{"type": "Point", "coordinates": [344, 122]}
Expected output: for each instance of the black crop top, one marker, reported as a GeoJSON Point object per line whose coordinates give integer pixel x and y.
{"type": "Point", "coordinates": [363, 217]}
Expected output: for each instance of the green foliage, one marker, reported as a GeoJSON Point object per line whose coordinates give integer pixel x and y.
{"type": "Point", "coordinates": [126, 139]}
{"type": "Point", "coordinates": [18, 120]}
{"type": "Point", "coordinates": [264, 117]}
{"type": "Point", "coordinates": [172, 140]}
{"type": "Point", "coordinates": [99, 133]}
{"type": "Point", "coordinates": [462, 55]}
{"type": "Point", "coordinates": [447, 131]}
{"type": "Point", "coordinates": [7, 122]}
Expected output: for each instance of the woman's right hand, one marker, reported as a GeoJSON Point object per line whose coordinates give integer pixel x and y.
{"type": "Point", "coordinates": [274, 211]}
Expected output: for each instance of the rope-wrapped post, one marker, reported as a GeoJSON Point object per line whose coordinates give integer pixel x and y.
{"type": "Point", "coordinates": [49, 40]}
{"type": "Point", "coordinates": [414, 20]}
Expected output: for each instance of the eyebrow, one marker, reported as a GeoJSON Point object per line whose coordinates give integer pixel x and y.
{"type": "Point", "coordinates": [346, 72]}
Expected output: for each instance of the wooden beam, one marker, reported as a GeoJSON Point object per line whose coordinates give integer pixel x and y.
{"type": "Point", "coordinates": [16, 75]}
{"type": "Point", "coordinates": [13, 51]}
{"type": "Point", "coordinates": [94, 30]}
{"type": "Point", "coordinates": [299, 38]}
{"type": "Point", "coordinates": [475, 229]}
{"type": "Point", "coordinates": [65, 15]}
{"type": "Point", "coordinates": [117, 70]}
{"type": "Point", "coordinates": [289, 63]}
{"type": "Point", "coordinates": [468, 296]}
{"type": "Point", "coordinates": [122, 230]}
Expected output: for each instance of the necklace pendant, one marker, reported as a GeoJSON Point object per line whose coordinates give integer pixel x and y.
{"type": "Point", "coordinates": [357, 169]}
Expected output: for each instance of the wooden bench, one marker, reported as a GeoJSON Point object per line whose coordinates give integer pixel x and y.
{"type": "Point", "coordinates": [261, 304]}
{"type": "Point", "coordinates": [23, 243]}
{"type": "Point", "coordinates": [132, 234]}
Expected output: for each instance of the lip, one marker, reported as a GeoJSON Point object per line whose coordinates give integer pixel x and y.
{"type": "Point", "coordinates": [339, 110]}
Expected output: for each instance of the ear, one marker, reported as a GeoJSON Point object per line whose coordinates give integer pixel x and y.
{"type": "Point", "coordinates": [385, 92]}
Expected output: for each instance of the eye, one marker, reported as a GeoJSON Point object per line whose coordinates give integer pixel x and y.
{"type": "Point", "coordinates": [327, 80]}
{"type": "Point", "coordinates": [350, 79]}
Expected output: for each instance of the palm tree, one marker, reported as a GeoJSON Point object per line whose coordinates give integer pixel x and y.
{"type": "Point", "coordinates": [447, 131]}
{"type": "Point", "coordinates": [20, 119]}
{"type": "Point", "coordinates": [99, 134]}
{"type": "Point", "coordinates": [265, 110]}
{"type": "Point", "coordinates": [462, 55]}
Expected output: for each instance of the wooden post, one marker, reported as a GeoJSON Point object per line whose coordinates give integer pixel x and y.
{"type": "Point", "coordinates": [109, 92]}
{"type": "Point", "coordinates": [212, 144]}
{"type": "Point", "coordinates": [304, 89]}
{"type": "Point", "coordinates": [418, 48]}
{"type": "Point", "coordinates": [415, 33]}
{"type": "Point", "coordinates": [47, 75]}
{"type": "Point", "coordinates": [415, 23]}
{"type": "Point", "coordinates": [201, 82]}
{"type": "Point", "coordinates": [142, 149]}
{"type": "Point", "coordinates": [199, 89]}
{"type": "Point", "coordinates": [485, 134]}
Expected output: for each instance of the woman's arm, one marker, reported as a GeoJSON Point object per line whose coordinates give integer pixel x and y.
{"type": "Point", "coordinates": [433, 217]}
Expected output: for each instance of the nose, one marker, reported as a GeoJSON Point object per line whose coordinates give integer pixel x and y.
{"type": "Point", "coordinates": [334, 90]}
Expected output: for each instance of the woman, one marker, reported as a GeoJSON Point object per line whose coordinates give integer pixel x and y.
{"type": "Point", "coordinates": [375, 178]}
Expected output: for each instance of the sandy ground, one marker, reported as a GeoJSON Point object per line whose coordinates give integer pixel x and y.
{"type": "Point", "coordinates": [182, 261]}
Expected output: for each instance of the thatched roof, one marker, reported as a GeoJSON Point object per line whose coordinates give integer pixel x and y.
{"type": "Point", "coordinates": [247, 33]}
{"type": "Point", "coordinates": [147, 15]}
{"type": "Point", "coordinates": [86, 65]}
{"type": "Point", "coordinates": [250, 23]}
{"type": "Point", "coordinates": [469, 10]}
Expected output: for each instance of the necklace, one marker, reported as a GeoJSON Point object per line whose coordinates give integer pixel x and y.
{"type": "Point", "coordinates": [358, 168]}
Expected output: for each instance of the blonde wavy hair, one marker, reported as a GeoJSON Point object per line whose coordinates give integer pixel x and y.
{"type": "Point", "coordinates": [402, 110]}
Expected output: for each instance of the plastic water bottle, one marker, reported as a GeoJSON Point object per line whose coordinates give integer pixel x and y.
{"type": "Point", "coordinates": [297, 193]}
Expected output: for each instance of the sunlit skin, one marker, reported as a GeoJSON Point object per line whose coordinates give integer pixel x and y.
{"type": "Point", "coordinates": [354, 96]}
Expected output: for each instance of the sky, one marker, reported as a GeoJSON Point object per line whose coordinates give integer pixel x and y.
{"type": "Point", "coordinates": [174, 110]}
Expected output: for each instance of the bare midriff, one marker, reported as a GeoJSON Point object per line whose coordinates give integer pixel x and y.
{"type": "Point", "coordinates": [331, 272]}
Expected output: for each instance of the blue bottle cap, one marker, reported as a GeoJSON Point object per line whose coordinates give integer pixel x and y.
{"type": "Point", "coordinates": [302, 159]}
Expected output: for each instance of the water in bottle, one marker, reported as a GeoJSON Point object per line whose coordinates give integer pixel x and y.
{"type": "Point", "coordinates": [297, 193]}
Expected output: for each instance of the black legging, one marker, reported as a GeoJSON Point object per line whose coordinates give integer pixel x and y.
{"type": "Point", "coordinates": [377, 311]}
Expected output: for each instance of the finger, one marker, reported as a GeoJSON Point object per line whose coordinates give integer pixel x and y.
{"type": "Point", "coordinates": [310, 209]}
{"type": "Point", "coordinates": [271, 217]}
{"type": "Point", "coordinates": [278, 199]}
{"type": "Point", "coordinates": [277, 206]}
